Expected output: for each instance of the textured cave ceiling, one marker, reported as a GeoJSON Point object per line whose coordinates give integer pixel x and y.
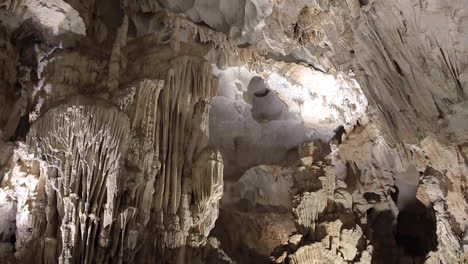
{"type": "Point", "coordinates": [233, 131]}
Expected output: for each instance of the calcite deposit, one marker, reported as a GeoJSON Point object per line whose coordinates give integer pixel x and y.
{"type": "Point", "coordinates": [233, 131]}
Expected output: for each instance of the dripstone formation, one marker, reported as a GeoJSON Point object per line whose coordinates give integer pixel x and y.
{"type": "Point", "coordinates": [233, 131]}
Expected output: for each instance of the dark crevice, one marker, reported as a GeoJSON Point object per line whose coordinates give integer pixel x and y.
{"type": "Point", "coordinates": [398, 68]}
{"type": "Point", "coordinates": [204, 24]}
{"type": "Point", "coordinates": [22, 129]}
{"type": "Point", "coordinates": [381, 236]}
{"type": "Point", "coordinates": [439, 110]}
{"type": "Point", "coordinates": [234, 246]}
{"type": "Point", "coordinates": [132, 29]}
{"type": "Point", "coordinates": [394, 194]}
{"type": "Point", "coordinates": [262, 93]}
{"type": "Point", "coordinates": [413, 236]}
{"type": "Point", "coordinates": [291, 59]}
{"type": "Point", "coordinates": [244, 45]}
{"type": "Point", "coordinates": [352, 171]}
{"type": "Point", "coordinates": [401, 38]}
{"type": "Point", "coordinates": [416, 230]}
{"type": "Point", "coordinates": [372, 197]}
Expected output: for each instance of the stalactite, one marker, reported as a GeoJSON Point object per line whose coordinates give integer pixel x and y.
{"type": "Point", "coordinates": [183, 110]}
{"type": "Point", "coordinates": [82, 145]}
{"type": "Point", "coordinates": [116, 56]}
{"type": "Point", "coordinates": [167, 153]}
{"type": "Point", "coordinates": [106, 154]}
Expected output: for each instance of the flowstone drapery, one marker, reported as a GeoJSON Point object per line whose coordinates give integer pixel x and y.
{"type": "Point", "coordinates": [129, 176]}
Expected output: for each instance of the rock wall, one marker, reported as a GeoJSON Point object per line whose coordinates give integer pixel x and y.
{"type": "Point", "coordinates": [112, 165]}
{"type": "Point", "coordinates": [124, 123]}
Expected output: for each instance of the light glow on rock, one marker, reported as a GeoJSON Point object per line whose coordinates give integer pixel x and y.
{"type": "Point", "coordinates": [314, 104]}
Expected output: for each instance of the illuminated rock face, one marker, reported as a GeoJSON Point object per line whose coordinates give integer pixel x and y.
{"type": "Point", "coordinates": [201, 131]}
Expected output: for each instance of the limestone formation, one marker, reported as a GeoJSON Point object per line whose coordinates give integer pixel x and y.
{"type": "Point", "coordinates": [202, 131]}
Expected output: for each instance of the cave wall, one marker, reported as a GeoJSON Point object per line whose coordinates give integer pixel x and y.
{"type": "Point", "coordinates": [104, 162]}
{"type": "Point", "coordinates": [117, 119]}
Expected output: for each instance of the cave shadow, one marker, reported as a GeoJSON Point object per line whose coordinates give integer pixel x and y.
{"type": "Point", "coordinates": [233, 244]}
{"type": "Point", "coordinates": [416, 230]}
{"type": "Point", "coordinates": [411, 236]}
